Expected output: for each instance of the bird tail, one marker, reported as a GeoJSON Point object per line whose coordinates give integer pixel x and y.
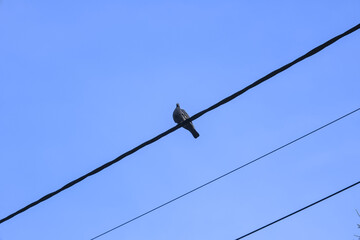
{"type": "Point", "coordinates": [194, 133]}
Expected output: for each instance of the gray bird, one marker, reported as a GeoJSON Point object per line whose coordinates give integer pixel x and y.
{"type": "Point", "coordinates": [179, 115]}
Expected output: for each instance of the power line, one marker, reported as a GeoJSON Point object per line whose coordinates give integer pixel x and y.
{"type": "Point", "coordinates": [226, 174]}
{"type": "Point", "coordinates": [225, 100]}
{"type": "Point", "coordinates": [280, 219]}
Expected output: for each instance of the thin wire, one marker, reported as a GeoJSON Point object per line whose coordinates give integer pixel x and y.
{"type": "Point", "coordinates": [226, 174]}
{"type": "Point", "coordinates": [280, 219]}
{"type": "Point", "coordinates": [225, 100]}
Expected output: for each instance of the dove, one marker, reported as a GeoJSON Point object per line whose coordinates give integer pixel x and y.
{"type": "Point", "coordinates": [179, 115]}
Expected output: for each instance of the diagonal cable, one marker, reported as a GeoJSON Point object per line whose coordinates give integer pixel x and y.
{"type": "Point", "coordinates": [225, 100]}
{"type": "Point", "coordinates": [226, 174]}
{"type": "Point", "coordinates": [293, 213]}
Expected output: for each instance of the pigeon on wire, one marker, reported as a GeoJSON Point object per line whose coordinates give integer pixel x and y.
{"type": "Point", "coordinates": [179, 115]}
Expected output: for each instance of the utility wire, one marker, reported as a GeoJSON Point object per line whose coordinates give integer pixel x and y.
{"type": "Point", "coordinates": [228, 99]}
{"type": "Point", "coordinates": [280, 219]}
{"type": "Point", "coordinates": [226, 174]}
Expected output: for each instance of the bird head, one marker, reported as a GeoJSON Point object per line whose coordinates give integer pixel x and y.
{"type": "Point", "coordinates": [177, 105]}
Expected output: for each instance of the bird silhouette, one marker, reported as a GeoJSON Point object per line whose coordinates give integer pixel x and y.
{"type": "Point", "coordinates": [179, 115]}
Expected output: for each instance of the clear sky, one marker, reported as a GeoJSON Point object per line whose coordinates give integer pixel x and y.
{"type": "Point", "coordinates": [81, 82]}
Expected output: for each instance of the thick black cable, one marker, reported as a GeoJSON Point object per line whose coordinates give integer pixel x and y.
{"type": "Point", "coordinates": [108, 164]}
{"type": "Point", "coordinates": [226, 174]}
{"type": "Point", "coordinates": [310, 205]}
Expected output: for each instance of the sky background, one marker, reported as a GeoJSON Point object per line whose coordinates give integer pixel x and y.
{"type": "Point", "coordinates": [81, 82]}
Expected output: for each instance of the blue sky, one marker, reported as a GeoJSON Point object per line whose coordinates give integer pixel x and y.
{"type": "Point", "coordinates": [81, 82]}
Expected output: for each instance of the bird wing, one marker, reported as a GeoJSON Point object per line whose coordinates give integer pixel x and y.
{"type": "Point", "coordinates": [184, 114]}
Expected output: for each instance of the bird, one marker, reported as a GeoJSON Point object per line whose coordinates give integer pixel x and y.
{"type": "Point", "coordinates": [179, 115]}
